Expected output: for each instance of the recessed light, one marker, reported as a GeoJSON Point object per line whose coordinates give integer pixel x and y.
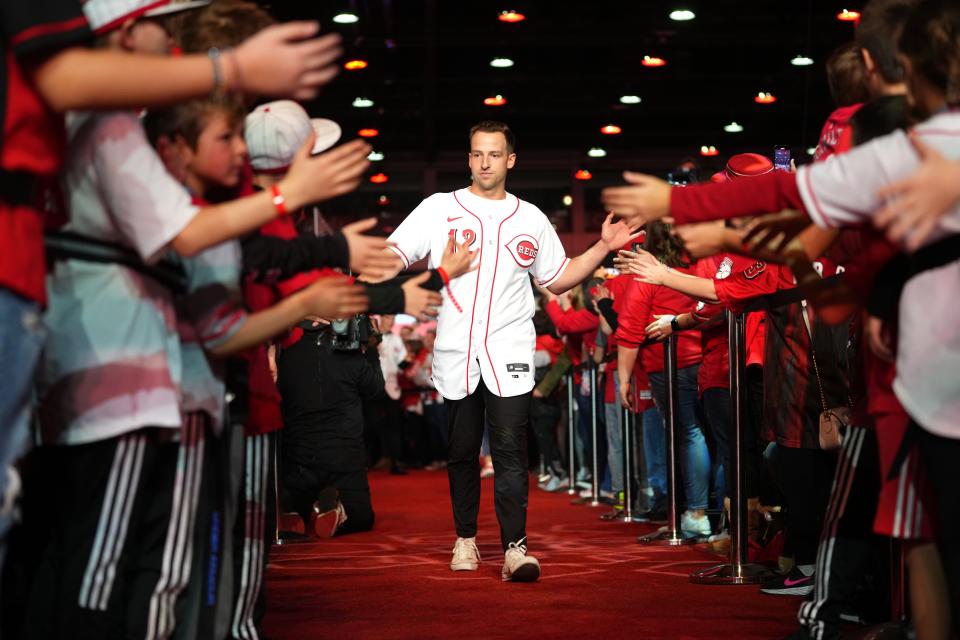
{"type": "Point", "coordinates": [802, 61]}
{"type": "Point", "coordinates": [501, 63]}
{"type": "Point", "coordinates": [610, 130]}
{"type": "Point", "coordinates": [682, 15]}
{"type": "Point", "coordinates": [764, 97]}
{"type": "Point", "coordinates": [346, 18]}
{"type": "Point", "coordinates": [368, 133]}
{"type": "Point", "coordinates": [583, 174]}
{"type": "Point", "coordinates": [733, 127]}
{"type": "Point", "coordinates": [379, 178]}
{"type": "Point", "coordinates": [362, 103]}
{"type": "Point", "coordinates": [354, 65]}
{"type": "Point", "coordinates": [848, 16]}
{"type": "Point", "coordinates": [653, 61]}
{"type": "Point", "coordinates": [511, 16]}
{"type": "Point", "coordinates": [567, 200]}
{"type": "Point", "coordinates": [596, 152]}
{"type": "Point", "coordinates": [630, 99]}
{"type": "Point", "coordinates": [709, 151]}
{"type": "Point", "coordinates": [375, 156]}
{"type": "Point", "coordinates": [811, 151]}
{"type": "Point", "coordinates": [383, 201]}
{"type": "Point", "coordinates": [495, 101]}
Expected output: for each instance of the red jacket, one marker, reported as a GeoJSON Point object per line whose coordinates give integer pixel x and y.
{"type": "Point", "coordinates": [580, 328]}
{"type": "Point", "coordinates": [645, 301]}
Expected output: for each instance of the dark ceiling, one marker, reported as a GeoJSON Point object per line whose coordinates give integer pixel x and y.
{"type": "Point", "coordinates": [429, 71]}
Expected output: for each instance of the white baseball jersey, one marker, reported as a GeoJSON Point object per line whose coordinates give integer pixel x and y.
{"type": "Point", "coordinates": [843, 192]}
{"type": "Point", "coordinates": [485, 327]}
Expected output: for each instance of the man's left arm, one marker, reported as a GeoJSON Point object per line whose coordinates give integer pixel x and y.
{"type": "Point", "coordinates": [613, 235]}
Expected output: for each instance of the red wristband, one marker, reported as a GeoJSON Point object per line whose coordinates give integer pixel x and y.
{"type": "Point", "coordinates": [443, 275]}
{"type": "Point", "coordinates": [279, 202]}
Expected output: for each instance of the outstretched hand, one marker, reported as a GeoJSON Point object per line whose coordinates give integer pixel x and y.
{"type": "Point", "coordinates": [457, 258]}
{"type": "Point", "coordinates": [630, 262]}
{"type": "Point", "coordinates": [418, 302]}
{"type": "Point", "coordinates": [616, 234]}
{"type": "Point", "coordinates": [916, 204]}
{"type": "Point", "coordinates": [703, 238]}
{"type": "Point", "coordinates": [368, 254]}
{"type": "Point", "coordinates": [284, 60]}
{"type": "Point", "coordinates": [774, 232]}
{"type": "Point", "coordinates": [644, 199]}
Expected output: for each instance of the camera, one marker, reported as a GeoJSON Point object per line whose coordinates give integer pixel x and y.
{"type": "Point", "coordinates": [351, 334]}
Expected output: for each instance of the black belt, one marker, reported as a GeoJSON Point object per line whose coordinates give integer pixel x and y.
{"type": "Point", "coordinates": [20, 188]}
{"type": "Point", "coordinates": [68, 245]}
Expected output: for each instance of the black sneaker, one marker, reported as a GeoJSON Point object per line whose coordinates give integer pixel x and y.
{"type": "Point", "coordinates": [795, 583]}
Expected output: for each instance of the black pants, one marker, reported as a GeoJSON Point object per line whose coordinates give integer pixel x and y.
{"type": "Point", "coordinates": [716, 408]}
{"type": "Point", "coordinates": [108, 532]}
{"type": "Point", "coordinates": [804, 476]}
{"type": "Point", "coordinates": [545, 415]}
{"type": "Point", "coordinates": [302, 483]}
{"type": "Point", "coordinates": [850, 554]}
{"type": "Point", "coordinates": [941, 461]}
{"type": "Point", "coordinates": [508, 445]}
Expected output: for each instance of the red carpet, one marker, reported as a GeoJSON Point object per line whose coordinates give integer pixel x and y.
{"type": "Point", "coordinates": [394, 582]}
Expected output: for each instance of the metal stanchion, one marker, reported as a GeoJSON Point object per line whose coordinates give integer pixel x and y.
{"type": "Point", "coordinates": [737, 570]}
{"type": "Point", "coordinates": [595, 485]}
{"type": "Point", "coordinates": [277, 538]}
{"type": "Point", "coordinates": [627, 439]}
{"type": "Point", "coordinates": [571, 437]}
{"type": "Point", "coordinates": [670, 535]}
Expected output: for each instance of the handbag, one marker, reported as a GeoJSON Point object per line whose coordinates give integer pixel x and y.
{"type": "Point", "coordinates": [833, 421]}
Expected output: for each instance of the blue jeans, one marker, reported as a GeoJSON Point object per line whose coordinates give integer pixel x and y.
{"type": "Point", "coordinates": [614, 423]}
{"type": "Point", "coordinates": [694, 456]}
{"type": "Point", "coordinates": [21, 337]}
{"type": "Point", "coordinates": [655, 455]}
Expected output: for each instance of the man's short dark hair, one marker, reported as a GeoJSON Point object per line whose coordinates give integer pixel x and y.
{"type": "Point", "coordinates": [847, 76]}
{"type": "Point", "coordinates": [494, 126]}
{"type": "Point", "coordinates": [878, 31]}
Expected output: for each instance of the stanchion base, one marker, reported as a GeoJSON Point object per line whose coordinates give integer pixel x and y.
{"type": "Point", "coordinates": [571, 492]}
{"type": "Point", "coordinates": [291, 537]}
{"type": "Point", "coordinates": [731, 574]}
{"type": "Point", "coordinates": [631, 518]}
{"type": "Point", "coordinates": [663, 537]}
{"type": "Point", "coordinates": [596, 503]}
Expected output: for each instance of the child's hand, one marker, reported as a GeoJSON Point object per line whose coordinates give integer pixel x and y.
{"type": "Point", "coordinates": [284, 60]}
{"type": "Point", "coordinates": [457, 259]}
{"type": "Point", "coordinates": [313, 179]}
{"type": "Point", "coordinates": [368, 254]}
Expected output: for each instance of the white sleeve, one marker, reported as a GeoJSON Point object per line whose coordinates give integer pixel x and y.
{"type": "Point", "coordinates": [147, 206]}
{"type": "Point", "coordinates": [843, 190]}
{"type": "Point", "coordinates": [551, 260]}
{"type": "Point", "coordinates": [411, 240]}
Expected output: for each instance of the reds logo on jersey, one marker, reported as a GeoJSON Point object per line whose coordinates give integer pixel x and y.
{"type": "Point", "coordinates": [723, 271]}
{"type": "Point", "coordinates": [524, 250]}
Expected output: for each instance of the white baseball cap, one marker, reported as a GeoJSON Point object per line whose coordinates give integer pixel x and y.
{"type": "Point", "coordinates": [276, 130]}
{"type": "Point", "coordinates": [106, 15]}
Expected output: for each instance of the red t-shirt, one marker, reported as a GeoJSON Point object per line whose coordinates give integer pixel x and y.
{"type": "Point", "coordinates": [33, 137]}
{"type": "Point", "coordinates": [645, 301]}
{"type": "Point", "coordinates": [836, 135]}
{"type": "Point", "coordinates": [580, 327]}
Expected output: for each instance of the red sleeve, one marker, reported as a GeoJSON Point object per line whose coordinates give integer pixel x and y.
{"type": "Point", "coordinates": [771, 192]}
{"type": "Point", "coordinates": [635, 315]}
{"type": "Point", "coordinates": [743, 286]}
{"type": "Point", "coordinates": [572, 321]}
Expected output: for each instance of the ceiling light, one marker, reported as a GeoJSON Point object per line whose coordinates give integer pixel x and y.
{"type": "Point", "coordinates": [567, 200]}
{"type": "Point", "coordinates": [596, 152]}
{"type": "Point", "coordinates": [354, 65]}
{"type": "Point", "coordinates": [501, 63]}
{"type": "Point", "coordinates": [764, 97]}
{"type": "Point", "coordinates": [383, 201]}
{"type": "Point", "coordinates": [379, 178]}
{"type": "Point", "coordinates": [653, 61]}
{"type": "Point", "coordinates": [709, 151]}
{"type": "Point", "coordinates": [848, 16]}
{"type": "Point", "coordinates": [346, 18]}
{"type": "Point", "coordinates": [495, 101]}
{"type": "Point", "coordinates": [610, 130]}
{"type": "Point", "coordinates": [682, 15]}
{"type": "Point", "coordinates": [375, 156]}
{"type": "Point", "coordinates": [362, 103]}
{"type": "Point", "coordinates": [811, 151]}
{"type": "Point", "coordinates": [630, 99]}
{"type": "Point", "coordinates": [733, 127]}
{"type": "Point", "coordinates": [583, 174]}
{"type": "Point", "coordinates": [802, 61]}
{"type": "Point", "coordinates": [511, 16]}
{"type": "Point", "coordinates": [368, 133]}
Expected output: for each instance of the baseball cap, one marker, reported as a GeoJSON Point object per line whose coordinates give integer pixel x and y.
{"type": "Point", "coordinates": [105, 15]}
{"type": "Point", "coordinates": [748, 165]}
{"type": "Point", "coordinates": [276, 130]}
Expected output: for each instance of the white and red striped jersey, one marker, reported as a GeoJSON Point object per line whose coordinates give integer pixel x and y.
{"type": "Point", "coordinates": [485, 327]}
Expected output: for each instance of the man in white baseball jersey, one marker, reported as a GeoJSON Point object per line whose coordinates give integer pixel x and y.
{"type": "Point", "coordinates": [483, 358]}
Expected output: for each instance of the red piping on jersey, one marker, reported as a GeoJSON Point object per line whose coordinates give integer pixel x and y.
{"type": "Point", "coordinates": [476, 289]}
{"type": "Point", "coordinates": [47, 29]}
{"type": "Point", "coordinates": [546, 282]}
{"type": "Point", "coordinates": [493, 283]}
{"type": "Point", "coordinates": [402, 254]}
{"type": "Point", "coordinates": [816, 203]}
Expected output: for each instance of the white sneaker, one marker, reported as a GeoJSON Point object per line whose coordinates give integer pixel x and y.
{"type": "Point", "coordinates": [517, 565]}
{"type": "Point", "coordinates": [466, 556]}
{"type": "Point", "coordinates": [693, 526]}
